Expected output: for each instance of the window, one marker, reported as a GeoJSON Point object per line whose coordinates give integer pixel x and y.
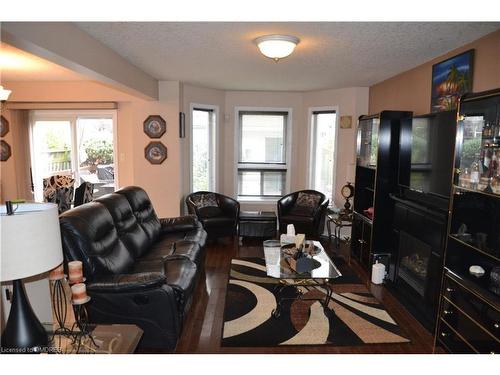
{"type": "Point", "coordinates": [262, 161]}
{"type": "Point", "coordinates": [322, 160]}
{"type": "Point", "coordinates": [76, 144]}
{"type": "Point", "coordinates": [203, 149]}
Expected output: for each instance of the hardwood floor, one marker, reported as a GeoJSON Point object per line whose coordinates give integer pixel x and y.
{"type": "Point", "coordinates": [203, 326]}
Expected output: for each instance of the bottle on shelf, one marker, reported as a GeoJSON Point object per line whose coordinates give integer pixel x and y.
{"type": "Point", "coordinates": [475, 172]}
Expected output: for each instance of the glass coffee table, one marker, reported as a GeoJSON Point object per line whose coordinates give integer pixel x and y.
{"type": "Point", "coordinates": [277, 266]}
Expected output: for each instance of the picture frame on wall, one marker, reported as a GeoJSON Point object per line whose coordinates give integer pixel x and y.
{"type": "Point", "coordinates": [155, 126]}
{"type": "Point", "coordinates": [4, 126]}
{"type": "Point", "coordinates": [155, 152]}
{"type": "Point", "coordinates": [451, 79]}
{"type": "Point", "coordinates": [5, 151]}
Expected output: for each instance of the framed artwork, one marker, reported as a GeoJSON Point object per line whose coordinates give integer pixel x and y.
{"type": "Point", "coordinates": [155, 126]}
{"type": "Point", "coordinates": [5, 151]}
{"type": "Point", "coordinates": [4, 126]}
{"type": "Point", "coordinates": [345, 122]}
{"type": "Point", "coordinates": [182, 124]}
{"type": "Point", "coordinates": [155, 152]}
{"type": "Point", "coordinates": [451, 79]}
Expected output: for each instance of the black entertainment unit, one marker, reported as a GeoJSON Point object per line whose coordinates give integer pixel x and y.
{"type": "Point", "coordinates": [421, 212]}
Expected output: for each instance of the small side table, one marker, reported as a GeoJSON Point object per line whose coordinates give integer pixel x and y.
{"type": "Point", "coordinates": [111, 339]}
{"type": "Point", "coordinates": [257, 224]}
{"type": "Point", "coordinates": [338, 221]}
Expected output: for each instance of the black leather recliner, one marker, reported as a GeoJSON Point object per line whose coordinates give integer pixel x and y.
{"type": "Point", "coordinates": [218, 213]}
{"type": "Point", "coordinates": [306, 210]}
{"type": "Point", "coordinates": [139, 269]}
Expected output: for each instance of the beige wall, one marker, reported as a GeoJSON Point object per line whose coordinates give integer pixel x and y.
{"type": "Point", "coordinates": [411, 90]}
{"type": "Point", "coordinates": [167, 184]}
{"type": "Point", "coordinates": [160, 181]}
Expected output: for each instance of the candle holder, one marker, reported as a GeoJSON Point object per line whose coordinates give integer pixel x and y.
{"type": "Point", "coordinates": [81, 328]}
{"type": "Point", "coordinates": [60, 305]}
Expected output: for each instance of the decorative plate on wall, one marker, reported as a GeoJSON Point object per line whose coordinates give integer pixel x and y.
{"type": "Point", "coordinates": [5, 151]}
{"type": "Point", "coordinates": [155, 126]}
{"type": "Point", "coordinates": [4, 126]}
{"type": "Point", "coordinates": [155, 152]}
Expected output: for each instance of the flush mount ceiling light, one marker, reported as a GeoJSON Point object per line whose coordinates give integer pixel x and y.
{"type": "Point", "coordinates": [4, 94]}
{"type": "Point", "coordinates": [276, 46]}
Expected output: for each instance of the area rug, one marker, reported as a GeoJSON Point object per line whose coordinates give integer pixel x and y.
{"type": "Point", "coordinates": [353, 315]}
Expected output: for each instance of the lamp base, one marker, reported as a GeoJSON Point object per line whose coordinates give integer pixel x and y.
{"type": "Point", "coordinates": [23, 333]}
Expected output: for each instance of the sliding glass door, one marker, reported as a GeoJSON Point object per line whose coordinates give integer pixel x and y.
{"type": "Point", "coordinates": [76, 144]}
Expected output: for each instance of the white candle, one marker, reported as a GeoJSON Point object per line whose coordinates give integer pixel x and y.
{"type": "Point", "coordinates": [57, 273]}
{"type": "Point", "coordinates": [79, 293]}
{"type": "Point", "coordinates": [75, 270]}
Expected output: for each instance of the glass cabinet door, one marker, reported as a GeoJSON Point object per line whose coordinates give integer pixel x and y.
{"type": "Point", "coordinates": [367, 142]}
{"type": "Point", "coordinates": [478, 147]}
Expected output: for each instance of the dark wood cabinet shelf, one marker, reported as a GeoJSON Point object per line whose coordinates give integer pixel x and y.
{"type": "Point", "coordinates": [376, 174]}
{"type": "Point", "coordinates": [469, 313]}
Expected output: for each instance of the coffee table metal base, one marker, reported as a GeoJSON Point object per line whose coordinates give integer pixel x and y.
{"type": "Point", "coordinates": [284, 284]}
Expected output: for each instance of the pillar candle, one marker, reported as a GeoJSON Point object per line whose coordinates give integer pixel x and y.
{"type": "Point", "coordinates": [75, 272]}
{"type": "Point", "coordinates": [57, 273]}
{"type": "Point", "coordinates": [79, 294]}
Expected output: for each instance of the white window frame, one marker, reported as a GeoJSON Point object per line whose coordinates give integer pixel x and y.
{"type": "Point", "coordinates": [288, 151]}
{"type": "Point", "coordinates": [213, 145]}
{"type": "Point", "coordinates": [72, 116]}
{"type": "Point", "coordinates": [311, 127]}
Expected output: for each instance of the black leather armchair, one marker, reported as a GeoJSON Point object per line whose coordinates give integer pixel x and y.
{"type": "Point", "coordinates": [218, 213]}
{"type": "Point", "coordinates": [306, 210]}
{"type": "Point", "coordinates": [140, 269]}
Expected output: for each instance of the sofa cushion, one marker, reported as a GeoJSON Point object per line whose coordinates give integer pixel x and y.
{"type": "Point", "coordinates": [143, 211]}
{"type": "Point", "coordinates": [129, 230]}
{"type": "Point", "coordinates": [89, 234]}
{"type": "Point", "coordinates": [164, 248]}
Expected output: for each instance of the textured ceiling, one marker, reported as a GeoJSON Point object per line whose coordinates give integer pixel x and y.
{"type": "Point", "coordinates": [18, 65]}
{"type": "Point", "coordinates": [330, 55]}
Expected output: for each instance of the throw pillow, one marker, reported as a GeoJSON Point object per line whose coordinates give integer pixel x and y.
{"type": "Point", "coordinates": [306, 204]}
{"type": "Point", "coordinates": [205, 200]}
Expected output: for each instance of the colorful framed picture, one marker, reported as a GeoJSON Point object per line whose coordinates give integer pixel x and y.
{"type": "Point", "coordinates": [4, 126]}
{"type": "Point", "coordinates": [5, 151]}
{"type": "Point", "coordinates": [155, 152]}
{"type": "Point", "coordinates": [155, 126]}
{"type": "Point", "coordinates": [451, 79]}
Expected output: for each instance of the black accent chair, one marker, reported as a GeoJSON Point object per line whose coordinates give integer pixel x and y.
{"type": "Point", "coordinates": [306, 210]}
{"type": "Point", "coordinates": [83, 194]}
{"type": "Point", "coordinates": [140, 269]}
{"type": "Point", "coordinates": [218, 213]}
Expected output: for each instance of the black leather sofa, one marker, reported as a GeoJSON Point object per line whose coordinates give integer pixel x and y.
{"type": "Point", "coordinates": [139, 269]}
{"type": "Point", "coordinates": [306, 210]}
{"type": "Point", "coordinates": [218, 213]}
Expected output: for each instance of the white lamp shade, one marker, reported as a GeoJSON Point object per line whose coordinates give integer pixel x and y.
{"type": "Point", "coordinates": [30, 240]}
{"type": "Point", "coordinates": [276, 46]}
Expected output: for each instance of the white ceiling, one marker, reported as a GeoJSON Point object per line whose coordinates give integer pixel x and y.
{"type": "Point", "coordinates": [18, 65]}
{"type": "Point", "coordinates": [330, 55]}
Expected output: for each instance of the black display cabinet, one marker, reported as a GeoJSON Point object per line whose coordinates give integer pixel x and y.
{"type": "Point", "coordinates": [376, 178]}
{"type": "Point", "coordinates": [419, 229]}
{"type": "Point", "coordinates": [469, 311]}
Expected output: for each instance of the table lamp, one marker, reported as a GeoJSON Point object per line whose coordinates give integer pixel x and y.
{"type": "Point", "coordinates": [30, 245]}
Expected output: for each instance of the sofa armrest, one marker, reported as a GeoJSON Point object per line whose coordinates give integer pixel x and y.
{"type": "Point", "coordinates": [179, 224]}
{"type": "Point", "coordinates": [135, 282]}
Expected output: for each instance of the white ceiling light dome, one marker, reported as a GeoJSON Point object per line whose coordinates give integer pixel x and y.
{"type": "Point", "coordinates": [277, 46]}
